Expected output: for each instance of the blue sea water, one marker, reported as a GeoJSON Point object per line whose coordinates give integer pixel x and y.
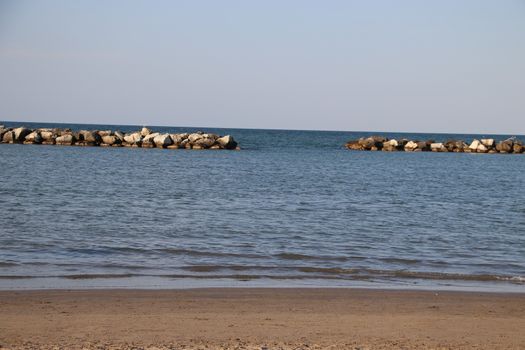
{"type": "Point", "coordinates": [291, 208]}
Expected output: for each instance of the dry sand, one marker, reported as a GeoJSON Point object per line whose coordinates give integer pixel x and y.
{"type": "Point", "coordinates": [261, 319]}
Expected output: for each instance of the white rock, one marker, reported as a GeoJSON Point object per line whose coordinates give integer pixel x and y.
{"type": "Point", "coordinates": [227, 142]}
{"type": "Point", "coordinates": [482, 148]}
{"type": "Point", "coordinates": [47, 135]}
{"type": "Point", "coordinates": [162, 141]}
{"type": "Point", "coordinates": [145, 131]}
{"type": "Point", "coordinates": [21, 133]}
{"type": "Point", "coordinates": [194, 137]}
{"type": "Point", "coordinates": [410, 146]}
{"type": "Point", "coordinates": [66, 139]}
{"type": "Point", "coordinates": [438, 147]}
{"type": "Point", "coordinates": [488, 142]}
{"type": "Point", "coordinates": [474, 145]}
{"type": "Point", "coordinates": [110, 139]}
{"type": "Point", "coordinates": [133, 138]}
{"type": "Point", "coordinates": [150, 137]}
{"type": "Point", "coordinates": [34, 137]}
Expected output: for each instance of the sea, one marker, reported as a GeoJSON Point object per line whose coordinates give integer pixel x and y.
{"type": "Point", "coordinates": [290, 209]}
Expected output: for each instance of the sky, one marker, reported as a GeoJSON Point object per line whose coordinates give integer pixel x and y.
{"type": "Point", "coordinates": [374, 65]}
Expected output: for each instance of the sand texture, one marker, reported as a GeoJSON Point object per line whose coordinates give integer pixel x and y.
{"type": "Point", "coordinates": [260, 319]}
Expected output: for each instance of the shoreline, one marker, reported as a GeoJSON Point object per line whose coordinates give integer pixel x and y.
{"type": "Point", "coordinates": [257, 318]}
{"type": "Point", "coordinates": [153, 283]}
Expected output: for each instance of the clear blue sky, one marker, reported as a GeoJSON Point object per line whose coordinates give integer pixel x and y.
{"type": "Point", "coordinates": [429, 66]}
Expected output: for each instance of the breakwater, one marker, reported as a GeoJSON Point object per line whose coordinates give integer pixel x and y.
{"type": "Point", "coordinates": [144, 138]}
{"type": "Point", "coordinates": [381, 143]}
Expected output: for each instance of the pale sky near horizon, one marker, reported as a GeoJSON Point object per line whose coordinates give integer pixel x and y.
{"type": "Point", "coordinates": [415, 66]}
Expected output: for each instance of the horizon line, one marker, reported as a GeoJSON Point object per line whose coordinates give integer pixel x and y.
{"type": "Point", "coordinates": [270, 129]}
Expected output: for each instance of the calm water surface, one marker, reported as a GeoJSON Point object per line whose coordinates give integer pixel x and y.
{"type": "Point", "coordinates": [291, 208]}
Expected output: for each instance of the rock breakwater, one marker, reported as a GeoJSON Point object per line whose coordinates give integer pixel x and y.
{"type": "Point", "coordinates": [381, 143]}
{"type": "Point", "coordinates": [144, 138]}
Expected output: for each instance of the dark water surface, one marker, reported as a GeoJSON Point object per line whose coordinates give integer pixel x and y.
{"type": "Point", "coordinates": [291, 208]}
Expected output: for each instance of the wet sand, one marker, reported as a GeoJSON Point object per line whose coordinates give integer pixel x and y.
{"type": "Point", "coordinates": [260, 319]}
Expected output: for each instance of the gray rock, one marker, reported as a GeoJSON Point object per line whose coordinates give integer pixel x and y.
{"type": "Point", "coordinates": [210, 136]}
{"type": "Point", "coordinates": [505, 146]}
{"type": "Point", "coordinates": [177, 138]}
{"type": "Point", "coordinates": [194, 137]}
{"type": "Point", "coordinates": [390, 146]}
{"type": "Point", "coordinates": [352, 145]}
{"type": "Point", "coordinates": [424, 146]}
{"type": "Point", "coordinates": [411, 146]}
{"type": "Point", "coordinates": [89, 138]}
{"type": "Point", "coordinates": [119, 135]}
{"type": "Point", "coordinates": [103, 133]}
{"type": "Point", "coordinates": [8, 137]}
{"type": "Point", "coordinates": [162, 141]}
{"type": "Point", "coordinates": [48, 136]}
{"type": "Point", "coordinates": [33, 137]}
{"type": "Point", "coordinates": [474, 145]}
{"type": "Point", "coordinates": [489, 143]}
{"type": "Point", "coordinates": [147, 141]}
{"type": "Point", "coordinates": [227, 142]}
{"type": "Point", "coordinates": [134, 138]}
{"type": "Point", "coordinates": [66, 139]}
{"type": "Point", "coordinates": [145, 132]}
{"type": "Point", "coordinates": [205, 142]}
{"type": "Point", "coordinates": [482, 148]}
{"type": "Point", "coordinates": [438, 147]}
{"type": "Point", "coordinates": [20, 134]}
{"type": "Point", "coordinates": [2, 132]}
{"type": "Point", "coordinates": [110, 140]}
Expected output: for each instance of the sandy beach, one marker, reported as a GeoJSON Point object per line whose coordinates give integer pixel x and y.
{"type": "Point", "coordinates": [260, 319]}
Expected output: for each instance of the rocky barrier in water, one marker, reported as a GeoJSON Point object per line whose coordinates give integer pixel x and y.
{"type": "Point", "coordinates": [144, 138]}
{"type": "Point", "coordinates": [380, 143]}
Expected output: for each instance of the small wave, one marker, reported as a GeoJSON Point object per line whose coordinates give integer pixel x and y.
{"type": "Point", "coordinates": [291, 273]}
{"type": "Point", "coordinates": [7, 264]}
{"type": "Point", "coordinates": [442, 276]}
{"type": "Point", "coordinates": [516, 279]}
{"type": "Point", "coordinates": [329, 270]}
{"type": "Point", "coordinates": [400, 261]}
{"type": "Point", "coordinates": [15, 277]}
{"type": "Point", "coordinates": [295, 256]}
{"type": "Point", "coordinates": [191, 252]}
{"type": "Point", "coordinates": [213, 268]}
{"type": "Point", "coordinates": [96, 276]}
